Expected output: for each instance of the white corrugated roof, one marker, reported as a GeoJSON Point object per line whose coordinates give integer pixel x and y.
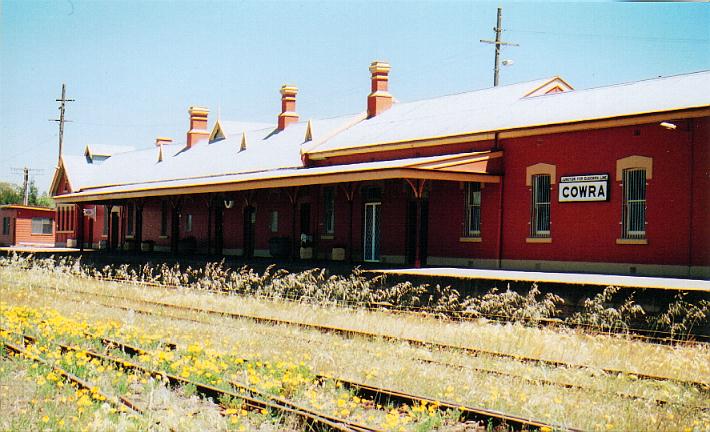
{"type": "Point", "coordinates": [414, 163]}
{"type": "Point", "coordinates": [492, 109]}
{"type": "Point", "coordinates": [505, 107]}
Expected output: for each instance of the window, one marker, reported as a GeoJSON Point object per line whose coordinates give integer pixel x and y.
{"type": "Point", "coordinates": [41, 226]}
{"type": "Point", "coordinates": [107, 218]}
{"type": "Point", "coordinates": [540, 218]}
{"type": "Point", "coordinates": [274, 221]}
{"type": "Point", "coordinates": [472, 221]}
{"type": "Point", "coordinates": [130, 219]}
{"type": "Point", "coordinates": [163, 218]}
{"type": "Point", "coordinates": [188, 223]}
{"type": "Point", "coordinates": [634, 206]}
{"type": "Point", "coordinates": [5, 225]}
{"type": "Point", "coordinates": [329, 210]}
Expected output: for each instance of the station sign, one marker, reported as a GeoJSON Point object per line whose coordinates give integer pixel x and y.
{"type": "Point", "coordinates": [584, 188]}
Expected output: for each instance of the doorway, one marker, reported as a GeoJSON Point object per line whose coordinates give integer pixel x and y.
{"type": "Point", "coordinates": [371, 232]}
{"type": "Point", "coordinates": [249, 232]}
{"type": "Point", "coordinates": [218, 228]}
{"type": "Point", "coordinates": [411, 232]}
{"type": "Point", "coordinates": [114, 230]}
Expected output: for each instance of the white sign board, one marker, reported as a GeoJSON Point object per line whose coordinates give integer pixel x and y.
{"type": "Point", "coordinates": [584, 188]}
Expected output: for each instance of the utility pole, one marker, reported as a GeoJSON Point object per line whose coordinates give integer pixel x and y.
{"type": "Point", "coordinates": [61, 119]}
{"type": "Point", "coordinates": [498, 43]}
{"type": "Point", "coordinates": [26, 186]}
{"type": "Point", "coordinates": [26, 181]}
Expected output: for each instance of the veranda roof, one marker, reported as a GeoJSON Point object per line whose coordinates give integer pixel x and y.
{"type": "Point", "coordinates": [473, 166]}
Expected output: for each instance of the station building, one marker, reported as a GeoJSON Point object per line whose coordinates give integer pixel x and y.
{"type": "Point", "coordinates": [528, 176]}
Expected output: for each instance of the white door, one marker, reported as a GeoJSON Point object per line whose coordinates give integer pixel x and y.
{"type": "Point", "coordinates": [371, 235]}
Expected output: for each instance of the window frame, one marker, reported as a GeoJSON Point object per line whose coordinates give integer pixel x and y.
{"type": "Point", "coordinates": [631, 187]}
{"type": "Point", "coordinates": [163, 218]}
{"type": "Point", "coordinates": [45, 223]}
{"type": "Point", "coordinates": [541, 198]}
{"type": "Point", "coordinates": [130, 220]}
{"type": "Point", "coordinates": [472, 206]}
{"type": "Point", "coordinates": [188, 222]}
{"type": "Point", "coordinates": [6, 225]}
{"type": "Point", "coordinates": [107, 221]}
{"type": "Point", "coordinates": [329, 210]}
{"type": "Point", "coordinates": [274, 221]}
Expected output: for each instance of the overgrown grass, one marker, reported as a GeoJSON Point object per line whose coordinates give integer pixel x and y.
{"type": "Point", "coordinates": [399, 365]}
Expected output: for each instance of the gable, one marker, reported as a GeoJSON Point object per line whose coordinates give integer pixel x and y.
{"type": "Point", "coordinates": [554, 85]}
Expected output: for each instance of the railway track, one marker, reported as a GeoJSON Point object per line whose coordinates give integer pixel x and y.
{"type": "Point", "coordinates": [315, 420]}
{"type": "Point", "coordinates": [260, 400]}
{"type": "Point", "coordinates": [624, 395]}
{"type": "Point", "coordinates": [360, 333]}
{"type": "Point", "coordinates": [121, 403]}
{"type": "Point", "coordinates": [643, 334]}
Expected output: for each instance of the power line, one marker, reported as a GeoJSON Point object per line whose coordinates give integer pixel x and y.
{"type": "Point", "coordinates": [498, 44]}
{"type": "Point", "coordinates": [608, 36]}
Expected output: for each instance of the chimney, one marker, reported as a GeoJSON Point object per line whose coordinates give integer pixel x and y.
{"type": "Point", "coordinates": [163, 141]}
{"type": "Point", "coordinates": [198, 126]}
{"type": "Point", "coordinates": [288, 106]}
{"type": "Point", "coordinates": [380, 99]}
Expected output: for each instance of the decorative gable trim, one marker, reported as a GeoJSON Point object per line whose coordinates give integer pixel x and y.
{"type": "Point", "coordinates": [217, 133]}
{"type": "Point", "coordinates": [554, 85]}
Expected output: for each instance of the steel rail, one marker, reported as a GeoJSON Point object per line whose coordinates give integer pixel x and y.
{"type": "Point", "coordinates": [133, 350]}
{"type": "Point", "coordinates": [467, 412]}
{"type": "Point", "coordinates": [377, 394]}
{"type": "Point", "coordinates": [369, 335]}
{"type": "Point", "coordinates": [120, 402]}
{"type": "Point", "coordinates": [657, 401]}
{"type": "Point", "coordinates": [646, 335]}
{"type": "Point", "coordinates": [268, 402]}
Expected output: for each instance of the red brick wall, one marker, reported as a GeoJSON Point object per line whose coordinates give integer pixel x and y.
{"type": "Point", "coordinates": [588, 231]}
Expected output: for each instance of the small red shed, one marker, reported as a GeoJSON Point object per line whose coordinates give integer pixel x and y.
{"type": "Point", "coordinates": [26, 225]}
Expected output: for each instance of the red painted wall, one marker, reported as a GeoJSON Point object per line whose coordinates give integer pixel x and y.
{"type": "Point", "coordinates": [21, 227]}
{"type": "Point", "coordinates": [700, 250]}
{"type": "Point", "coordinates": [588, 231]}
{"type": "Point", "coordinates": [446, 222]}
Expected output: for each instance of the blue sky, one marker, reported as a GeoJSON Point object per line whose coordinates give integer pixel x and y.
{"type": "Point", "coordinates": [135, 67]}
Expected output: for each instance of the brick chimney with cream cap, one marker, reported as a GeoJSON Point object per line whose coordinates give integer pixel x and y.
{"type": "Point", "coordinates": [288, 106]}
{"type": "Point", "coordinates": [198, 126]}
{"type": "Point", "coordinates": [380, 99]}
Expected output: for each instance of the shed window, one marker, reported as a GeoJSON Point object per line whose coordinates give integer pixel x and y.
{"type": "Point", "coordinates": [107, 216]}
{"type": "Point", "coordinates": [188, 223]}
{"type": "Point", "coordinates": [329, 210]}
{"type": "Point", "coordinates": [274, 222]}
{"type": "Point", "coordinates": [634, 210]}
{"type": "Point", "coordinates": [130, 219]}
{"type": "Point", "coordinates": [41, 226]}
{"type": "Point", "coordinates": [472, 221]}
{"type": "Point", "coordinates": [163, 218]}
{"type": "Point", "coordinates": [5, 225]}
{"type": "Point", "coordinates": [540, 217]}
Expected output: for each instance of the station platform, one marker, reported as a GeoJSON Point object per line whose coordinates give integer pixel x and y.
{"type": "Point", "coordinates": [638, 282]}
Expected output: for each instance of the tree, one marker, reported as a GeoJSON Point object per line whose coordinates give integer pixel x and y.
{"type": "Point", "coordinates": [12, 194]}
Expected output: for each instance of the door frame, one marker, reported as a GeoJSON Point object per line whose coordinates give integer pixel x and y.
{"type": "Point", "coordinates": [376, 241]}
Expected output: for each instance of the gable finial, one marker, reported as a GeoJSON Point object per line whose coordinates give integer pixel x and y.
{"type": "Point", "coordinates": [160, 152]}
{"type": "Point", "coordinates": [309, 131]}
{"type": "Point", "coordinates": [244, 142]}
